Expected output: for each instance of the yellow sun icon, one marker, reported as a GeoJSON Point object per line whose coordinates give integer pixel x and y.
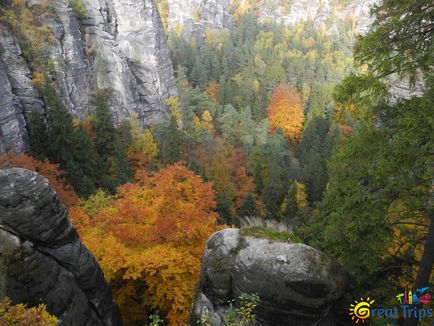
{"type": "Point", "coordinates": [361, 310]}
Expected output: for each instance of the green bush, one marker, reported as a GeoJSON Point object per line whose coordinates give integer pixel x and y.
{"type": "Point", "coordinates": [79, 9]}
{"type": "Point", "coordinates": [244, 315]}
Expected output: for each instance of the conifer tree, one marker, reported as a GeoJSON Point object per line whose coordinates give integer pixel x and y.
{"type": "Point", "coordinates": [112, 160]}
{"type": "Point", "coordinates": [249, 207]}
{"type": "Point", "coordinates": [295, 201]}
{"type": "Point", "coordinates": [69, 146]}
{"type": "Point", "coordinates": [274, 171]}
{"type": "Point", "coordinates": [313, 154]}
{"type": "Point", "coordinates": [381, 175]}
{"type": "Point", "coordinates": [224, 210]}
{"type": "Point", "coordinates": [60, 134]}
{"type": "Point", "coordinates": [171, 142]}
{"type": "Point", "coordinates": [38, 135]}
{"type": "Point", "coordinates": [85, 161]}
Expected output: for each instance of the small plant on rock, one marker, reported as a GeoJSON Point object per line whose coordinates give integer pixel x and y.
{"type": "Point", "coordinates": [244, 315]}
{"type": "Point", "coordinates": [246, 311]}
{"type": "Point", "coordinates": [79, 10]}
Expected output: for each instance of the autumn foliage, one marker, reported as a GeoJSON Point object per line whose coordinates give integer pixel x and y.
{"type": "Point", "coordinates": [143, 151]}
{"type": "Point", "coordinates": [285, 112]}
{"type": "Point", "coordinates": [51, 171]}
{"type": "Point", "coordinates": [20, 315]}
{"type": "Point", "coordinates": [225, 166]}
{"type": "Point", "coordinates": [212, 89]}
{"type": "Point", "coordinates": [150, 240]}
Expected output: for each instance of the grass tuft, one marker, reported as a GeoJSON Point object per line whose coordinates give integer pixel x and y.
{"type": "Point", "coordinates": [265, 233]}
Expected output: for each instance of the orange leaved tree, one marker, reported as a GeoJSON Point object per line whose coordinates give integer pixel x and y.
{"type": "Point", "coordinates": [285, 112]}
{"type": "Point", "coordinates": [150, 240]}
{"type": "Point", "coordinates": [51, 171]}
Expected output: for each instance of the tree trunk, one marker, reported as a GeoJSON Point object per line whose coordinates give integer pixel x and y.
{"type": "Point", "coordinates": [425, 267]}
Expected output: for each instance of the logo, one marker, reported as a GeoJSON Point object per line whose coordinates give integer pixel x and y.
{"type": "Point", "coordinates": [410, 305]}
{"type": "Point", "coordinates": [420, 296]}
{"type": "Point", "coordinates": [361, 310]}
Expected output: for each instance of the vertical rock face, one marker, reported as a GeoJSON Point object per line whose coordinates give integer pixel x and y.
{"type": "Point", "coordinates": [199, 15]}
{"type": "Point", "coordinates": [73, 71]}
{"type": "Point", "coordinates": [402, 89]}
{"type": "Point", "coordinates": [19, 75]}
{"type": "Point", "coordinates": [13, 133]}
{"type": "Point", "coordinates": [130, 57]}
{"type": "Point", "coordinates": [110, 68]}
{"type": "Point", "coordinates": [120, 47]}
{"type": "Point", "coordinates": [41, 257]}
{"type": "Point", "coordinates": [320, 12]}
{"type": "Point", "coordinates": [143, 43]}
{"type": "Point", "coordinates": [18, 96]}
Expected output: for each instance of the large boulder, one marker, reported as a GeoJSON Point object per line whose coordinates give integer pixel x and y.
{"type": "Point", "coordinates": [41, 257]}
{"type": "Point", "coordinates": [296, 284]}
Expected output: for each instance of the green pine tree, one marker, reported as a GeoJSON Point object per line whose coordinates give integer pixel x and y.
{"type": "Point", "coordinates": [85, 161]}
{"type": "Point", "coordinates": [60, 129]}
{"type": "Point", "coordinates": [171, 142]}
{"type": "Point", "coordinates": [249, 207]}
{"type": "Point", "coordinates": [313, 153]}
{"type": "Point", "coordinates": [381, 176]}
{"type": "Point", "coordinates": [224, 211]}
{"type": "Point", "coordinates": [38, 134]}
{"type": "Point", "coordinates": [112, 162]}
{"type": "Point", "coordinates": [70, 147]}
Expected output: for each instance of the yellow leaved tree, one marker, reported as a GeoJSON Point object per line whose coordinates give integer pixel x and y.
{"type": "Point", "coordinates": [144, 149]}
{"type": "Point", "coordinates": [150, 240]}
{"type": "Point", "coordinates": [285, 112]}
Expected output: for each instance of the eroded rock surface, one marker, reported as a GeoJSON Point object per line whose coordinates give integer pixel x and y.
{"type": "Point", "coordinates": [130, 56]}
{"type": "Point", "coordinates": [41, 257]}
{"type": "Point", "coordinates": [198, 16]}
{"type": "Point", "coordinates": [297, 284]}
{"type": "Point", "coordinates": [13, 132]}
{"type": "Point", "coordinates": [119, 47]}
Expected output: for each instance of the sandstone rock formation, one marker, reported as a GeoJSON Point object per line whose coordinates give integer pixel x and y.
{"type": "Point", "coordinates": [402, 89]}
{"type": "Point", "coordinates": [196, 16]}
{"type": "Point", "coordinates": [41, 257]}
{"type": "Point", "coordinates": [297, 285]}
{"type": "Point", "coordinates": [130, 56]}
{"type": "Point", "coordinates": [13, 133]}
{"type": "Point", "coordinates": [320, 12]}
{"type": "Point", "coordinates": [120, 46]}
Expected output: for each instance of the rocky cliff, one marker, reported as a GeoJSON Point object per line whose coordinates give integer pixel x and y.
{"type": "Point", "coordinates": [297, 285]}
{"type": "Point", "coordinates": [41, 257]}
{"type": "Point", "coordinates": [197, 16]}
{"type": "Point", "coordinates": [321, 12]}
{"type": "Point", "coordinates": [119, 45]}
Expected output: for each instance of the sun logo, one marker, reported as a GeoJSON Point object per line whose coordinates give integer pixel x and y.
{"type": "Point", "coordinates": [361, 310]}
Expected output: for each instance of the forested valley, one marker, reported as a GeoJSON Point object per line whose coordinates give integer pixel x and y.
{"type": "Point", "coordinates": [288, 125]}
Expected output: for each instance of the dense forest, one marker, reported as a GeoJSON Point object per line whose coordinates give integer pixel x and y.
{"type": "Point", "coordinates": [277, 122]}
